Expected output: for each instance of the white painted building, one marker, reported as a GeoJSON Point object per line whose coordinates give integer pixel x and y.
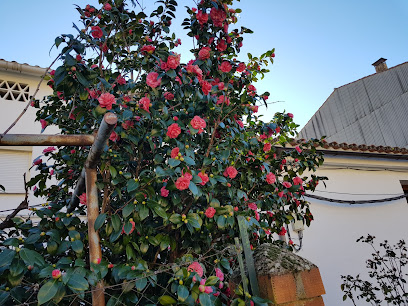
{"type": "Point", "coordinates": [18, 82]}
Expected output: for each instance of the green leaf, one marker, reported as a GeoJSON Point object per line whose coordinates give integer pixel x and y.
{"type": "Point", "coordinates": [193, 188]}
{"type": "Point", "coordinates": [77, 246]}
{"type": "Point", "coordinates": [131, 185]}
{"type": "Point", "coordinates": [6, 257]}
{"type": "Point", "coordinates": [175, 218]}
{"type": "Point", "coordinates": [77, 283]}
{"type": "Point", "coordinates": [128, 209]}
{"type": "Point", "coordinates": [47, 292]}
{"type": "Point", "coordinates": [189, 161]}
{"type": "Point", "coordinates": [207, 161]}
{"type": "Point", "coordinates": [116, 223]}
{"type": "Point", "coordinates": [113, 171]}
{"type": "Point", "coordinates": [81, 79]}
{"type": "Point", "coordinates": [182, 293]}
{"type": "Point", "coordinates": [99, 221]}
{"type": "Point", "coordinates": [160, 211]}
{"type": "Point", "coordinates": [167, 300]}
{"type": "Point", "coordinates": [221, 222]}
{"type": "Point", "coordinates": [143, 212]}
{"type": "Point", "coordinates": [141, 283]}
{"type": "Point", "coordinates": [211, 281]}
{"type": "Point", "coordinates": [205, 300]}
{"type": "Point", "coordinates": [128, 227]}
{"type": "Point", "coordinates": [31, 257]}
{"type": "Point", "coordinates": [174, 162]}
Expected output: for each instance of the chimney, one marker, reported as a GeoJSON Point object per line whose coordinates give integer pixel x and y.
{"type": "Point", "coordinates": [380, 65]}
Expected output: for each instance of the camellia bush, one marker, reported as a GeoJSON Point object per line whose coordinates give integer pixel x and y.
{"type": "Point", "coordinates": [189, 154]}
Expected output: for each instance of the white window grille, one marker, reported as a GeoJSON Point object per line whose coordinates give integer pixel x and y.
{"type": "Point", "coordinates": [14, 91]}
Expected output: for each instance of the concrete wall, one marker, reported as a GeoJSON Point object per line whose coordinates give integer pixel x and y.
{"type": "Point", "coordinates": [9, 112]}
{"type": "Point", "coordinates": [330, 242]}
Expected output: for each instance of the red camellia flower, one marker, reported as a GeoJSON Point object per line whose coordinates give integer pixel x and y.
{"type": "Point", "coordinates": [173, 61]}
{"type": "Point", "coordinates": [252, 206]}
{"type": "Point", "coordinates": [107, 6]}
{"type": "Point", "coordinates": [221, 46]}
{"type": "Point", "coordinates": [210, 212]}
{"type": "Point", "coordinates": [217, 16]}
{"type": "Point", "coordinates": [82, 199]}
{"type": "Point", "coordinates": [290, 115]}
{"type": "Point", "coordinates": [225, 67]}
{"type": "Point", "coordinates": [173, 130]}
{"type": "Point", "coordinates": [145, 103]}
{"type": "Point", "coordinates": [49, 149]}
{"type": "Point", "coordinates": [287, 184]}
{"type": "Point", "coordinates": [198, 123]}
{"type": "Point", "coordinates": [204, 178]}
{"type": "Point", "coordinates": [270, 178]}
{"type": "Point", "coordinates": [121, 80]}
{"type": "Point", "coordinates": [175, 152]}
{"type": "Point", "coordinates": [183, 182]}
{"type": "Point", "coordinates": [43, 123]}
{"type": "Point", "coordinates": [96, 32]}
{"type": "Point", "coordinates": [282, 231]}
{"type": "Point", "coordinates": [204, 53]}
{"type": "Point", "coordinates": [297, 181]}
{"type": "Point", "coordinates": [106, 100]}
{"type": "Point", "coordinates": [152, 81]}
{"type": "Point", "coordinates": [241, 67]}
{"type": "Point", "coordinates": [267, 147]}
{"type": "Point", "coordinates": [37, 162]}
{"type": "Point", "coordinates": [114, 136]}
{"type": "Point", "coordinates": [230, 172]}
{"type": "Point", "coordinates": [56, 274]}
{"type": "Point", "coordinates": [164, 192]}
{"type": "Point", "coordinates": [147, 49]}
{"type": "Point", "coordinates": [298, 149]}
{"type": "Point", "coordinates": [168, 96]}
{"type": "Point", "coordinates": [202, 17]}
{"type": "Point", "coordinates": [205, 87]}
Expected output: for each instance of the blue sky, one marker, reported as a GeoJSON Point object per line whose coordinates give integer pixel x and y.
{"type": "Point", "coordinates": [320, 45]}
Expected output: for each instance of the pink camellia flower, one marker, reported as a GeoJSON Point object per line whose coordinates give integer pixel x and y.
{"type": "Point", "coordinates": [225, 67]}
{"type": "Point", "coordinates": [147, 49]}
{"type": "Point", "coordinates": [241, 67]}
{"type": "Point", "coordinates": [37, 162]}
{"type": "Point", "coordinates": [298, 149]}
{"type": "Point", "coordinates": [251, 88]}
{"type": "Point", "coordinates": [221, 86]}
{"type": "Point", "coordinates": [221, 99]}
{"type": "Point", "coordinates": [107, 100]}
{"type": "Point", "coordinates": [168, 96]}
{"type": "Point", "coordinates": [254, 108]}
{"type": "Point", "coordinates": [51, 171]}
{"type": "Point", "coordinates": [240, 123]}
{"type": "Point", "coordinates": [297, 181]}
{"type": "Point", "coordinates": [221, 46]}
{"type": "Point", "coordinates": [270, 178]}
{"type": "Point", "coordinates": [107, 6]}
{"type": "Point", "coordinates": [217, 16]}
{"type": "Point", "coordinates": [127, 124]}
{"type": "Point", "coordinates": [175, 152]}
{"type": "Point", "coordinates": [121, 80]}
{"type": "Point", "coordinates": [198, 123]}
{"type": "Point", "coordinates": [173, 130]}
{"type": "Point", "coordinates": [82, 199]}
{"type": "Point", "coordinates": [183, 182]}
{"type": "Point", "coordinates": [197, 268]}
{"type": "Point", "coordinates": [114, 137]}
{"type": "Point", "coordinates": [267, 147]}
{"type": "Point", "coordinates": [173, 61]}
{"type": "Point", "coordinates": [204, 178]}
{"type": "Point", "coordinates": [145, 103]}
{"type": "Point", "coordinates": [204, 53]}
{"type": "Point", "coordinates": [257, 217]}
{"type": "Point", "coordinates": [252, 206]}
{"type": "Point", "coordinates": [210, 212]}
{"type": "Point", "coordinates": [230, 172]}
{"type": "Point", "coordinates": [49, 149]}
{"type": "Point", "coordinates": [164, 192]}
{"type": "Point", "coordinates": [175, 118]}
{"type": "Point", "coordinates": [219, 274]}
{"type": "Point", "coordinates": [96, 32]}
{"type": "Point", "coordinates": [287, 184]}
{"type": "Point", "coordinates": [281, 194]}
{"type": "Point", "coordinates": [152, 81]}
{"type": "Point", "coordinates": [56, 274]}
{"type": "Point", "coordinates": [202, 17]}
{"type": "Point", "coordinates": [43, 123]}
{"type": "Point", "coordinates": [290, 115]}
{"type": "Point", "coordinates": [205, 87]}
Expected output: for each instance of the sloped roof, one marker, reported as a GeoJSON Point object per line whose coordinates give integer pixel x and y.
{"type": "Point", "coordinates": [21, 67]}
{"type": "Point", "coordinates": [371, 110]}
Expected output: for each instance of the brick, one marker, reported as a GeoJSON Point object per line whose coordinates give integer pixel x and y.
{"type": "Point", "coordinates": [278, 288]}
{"type": "Point", "coordinates": [312, 284]}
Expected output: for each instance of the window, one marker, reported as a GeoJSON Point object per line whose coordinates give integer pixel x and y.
{"type": "Point", "coordinates": [13, 91]}
{"type": "Point", "coordinates": [13, 165]}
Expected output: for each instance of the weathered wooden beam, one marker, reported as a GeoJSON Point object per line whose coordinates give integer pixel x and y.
{"type": "Point", "coordinates": [46, 140]}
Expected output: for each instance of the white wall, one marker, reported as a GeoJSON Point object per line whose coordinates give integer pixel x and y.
{"type": "Point", "coordinates": [330, 241]}
{"type": "Point", "coordinates": [26, 125]}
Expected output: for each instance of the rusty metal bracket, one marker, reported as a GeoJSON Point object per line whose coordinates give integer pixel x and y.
{"type": "Point", "coordinates": [46, 140]}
